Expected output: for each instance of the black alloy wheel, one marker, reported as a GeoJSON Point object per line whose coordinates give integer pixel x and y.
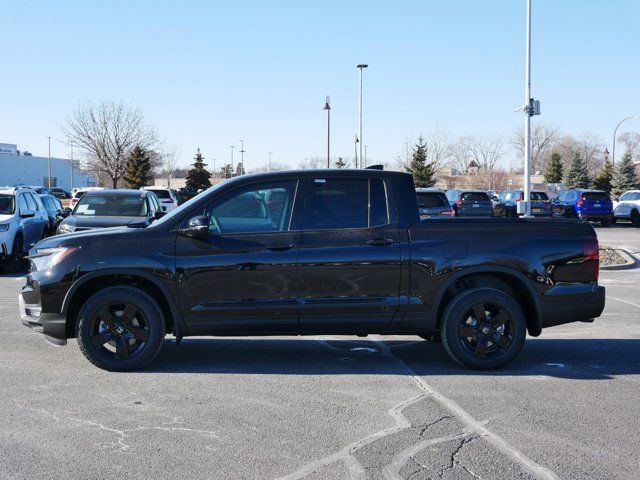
{"type": "Point", "coordinates": [15, 261]}
{"type": "Point", "coordinates": [483, 328]}
{"type": "Point", "coordinates": [120, 328]}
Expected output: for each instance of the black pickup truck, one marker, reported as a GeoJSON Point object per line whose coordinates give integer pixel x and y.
{"type": "Point", "coordinates": [307, 253]}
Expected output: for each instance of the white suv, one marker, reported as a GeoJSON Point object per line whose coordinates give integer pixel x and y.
{"type": "Point", "coordinates": [166, 197]}
{"type": "Point", "coordinates": [23, 222]}
{"type": "Point", "coordinates": [627, 207]}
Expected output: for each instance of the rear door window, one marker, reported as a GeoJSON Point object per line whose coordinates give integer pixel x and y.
{"type": "Point", "coordinates": [378, 209]}
{"type": "Point", "coordinates": [337, 203]}
{"type": "Point", "coordinates": [31, 202]}
{"type": "Point", "coordinates": [539, 196]}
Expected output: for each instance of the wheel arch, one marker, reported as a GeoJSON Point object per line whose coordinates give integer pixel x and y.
{"type": "Point", "coordinates": [505, 279]}
{"type": "Point", "coordinates": [90, 283]}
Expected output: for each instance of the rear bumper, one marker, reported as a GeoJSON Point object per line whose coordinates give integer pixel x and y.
{"type": "Point", "coordinates": [52, 325]}
{"type": "Point", "coordinates": [571, 303]}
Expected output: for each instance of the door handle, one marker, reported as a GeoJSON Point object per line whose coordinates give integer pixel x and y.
{"type": "Point", "coordinates": [279, 247]}
{"type": "Point", "coordinates": [380, 242]}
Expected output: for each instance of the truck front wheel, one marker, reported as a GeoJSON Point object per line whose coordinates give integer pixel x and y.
{"type": "Point", "coordinates": [483, 328]}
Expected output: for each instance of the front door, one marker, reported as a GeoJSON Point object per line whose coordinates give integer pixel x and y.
{"type": "Point", "coordinates": [349, 257]}
{"type": "Point", "coordinates": [243, 277]}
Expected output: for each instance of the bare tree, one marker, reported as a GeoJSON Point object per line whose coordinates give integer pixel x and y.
{"type": "Point", "coordinates": [107, 132]}
{"type": "Point", "coordinates": [274, 166]}
{"type": "Point", "coordinates": [486, 153]}
{"type": "Point", "coordinates": [543, 138]}
{"type": "Point", "coordinates": [437, 148]}
{"type": "Point", "coordinates": [460, 154]}
{"type": "Point", "coordinates": [587, 146]}
{"type": "Point", "coordinates": [631, 142]}
{"type": "Point", "coordinates": [496, 179]}
{"type": "Point", "coordinates": [313, 162]}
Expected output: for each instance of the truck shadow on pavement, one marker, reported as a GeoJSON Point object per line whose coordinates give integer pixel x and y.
{"type": "Point", "coordinates": [587, 359]}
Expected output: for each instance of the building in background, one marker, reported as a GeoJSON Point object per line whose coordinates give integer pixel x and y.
{"type": "Point", "coordinates": [22, 168]}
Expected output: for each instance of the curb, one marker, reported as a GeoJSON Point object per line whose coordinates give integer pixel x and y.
{"type": "Point", "coordinates": [631, 261]}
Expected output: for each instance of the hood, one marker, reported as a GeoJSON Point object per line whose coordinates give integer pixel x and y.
{"type": "Point", "coordinates": [79, 221]}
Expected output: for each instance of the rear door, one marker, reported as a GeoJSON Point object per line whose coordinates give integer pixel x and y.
{"type": "Point", "coordinates": [349, 256]}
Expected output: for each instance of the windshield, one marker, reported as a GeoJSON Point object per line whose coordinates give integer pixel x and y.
{"type": "Point", "coordinates": [111, 206]}
{"type": "Point", "coordinates": [595, 196]}
{"type": "Point", "coordinates": [160, 193]}
{"type": "Point", "coordinates": [474, 197]}
{"type": "Point", "coordinates": [539, 196]}
{"type": "Point", "coordinates": [7, 204]}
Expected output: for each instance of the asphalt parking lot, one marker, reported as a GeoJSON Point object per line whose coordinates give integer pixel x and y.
{"type": "Point", "coordinates": [330, 407]}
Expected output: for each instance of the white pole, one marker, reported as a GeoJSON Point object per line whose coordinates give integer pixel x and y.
{"type": "Point", "coordinates": [71, 182]}
{"type": "Point", "coordinates": [49, 180]}
{"type": "Point", "coordinates": [361, 66]}
{"type": "Point", "coordinates": [527, 115]}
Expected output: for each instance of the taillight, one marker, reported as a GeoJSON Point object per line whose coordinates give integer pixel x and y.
{"type": "Point", "coordinates": [591, 251]}
{"type": "Point", "coordinates": [580, 201]}
{"type": "Point", "coordinates": [447, 212]}
{"type": "Point", "coordinates": [459, 201]}
{"type": "Point", "coordinates": [520, 196]}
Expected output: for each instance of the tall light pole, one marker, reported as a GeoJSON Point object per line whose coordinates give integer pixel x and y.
{"type": "Point", "coordinates": [49, 179]}
{"type": "Point", "coordinates": [360, 66]}
{"type": "Point", "coordinates": [530, 108]}
{"type": "Point", "coordinates": [615, 132]}
{"type": "Point", "coordinates": [242, 152]}
{"type": "Point", "coordinates": [327, 107]}
{"type": "Point", "coordinates": [169, 164]}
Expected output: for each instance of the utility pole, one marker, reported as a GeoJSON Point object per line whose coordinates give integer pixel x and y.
{"type": "Point", "coordinates": [49, 179]}
{"type": "Point", "coordinates": [327, 107]}
{"type": "Point", "coordinates": [361, 66]}
{"type": "Point", "coordinates": [242, 152]}
{"type": "Point", "coordinates": [356, 148]}
{"type": "Point", "coordinates": [270, 153]}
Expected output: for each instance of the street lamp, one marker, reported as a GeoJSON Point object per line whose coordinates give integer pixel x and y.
{"type": "Point", "coordinates": [327, 107]}
{"type": "Point", "coordinates": [613, 153]}
{"type": "Point", "coordinates": [242, 152]}
{"type": "Point", "coordinates": [232, 147]}
{"type": "Point", "coordinates": [360, 66]}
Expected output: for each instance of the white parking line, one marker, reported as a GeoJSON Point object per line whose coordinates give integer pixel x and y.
{"type": "Point", "coordinates": [624, 301]}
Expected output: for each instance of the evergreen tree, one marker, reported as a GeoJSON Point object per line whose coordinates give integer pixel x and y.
{"type": "Point", "coordinates": [137, 170]}
{"type": "Point", "coordinates": [554, 171]}
{"type": "Point", "coordinates": [422, 171]}
{"type": "Point", "coordinates": [625, 178]}
{"type": "Point", "coordinates": [340, 163]}
{"type": "Point", "coordinates": [226, 171]}
{"type": "Point", "coordinates": [198, 178]}
{"type": "Point", "coordinates": [578, 175]}
{"type": "Point", "coordinates": [240, 169]}
{"type": "Point", "coordinates": [604, 178]}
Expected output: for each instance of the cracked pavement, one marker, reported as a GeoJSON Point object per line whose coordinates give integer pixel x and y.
{"type": "Point", "coordinates": [329, 407]}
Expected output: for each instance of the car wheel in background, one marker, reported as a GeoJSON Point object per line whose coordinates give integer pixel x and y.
{"type": "Point", "coordinates": [483, 328]}
{"type": "Point", "coordinates": [15, 261]}
{"type": "Point", "coordinates": [120, 328]}
{"type": "Point", "coordinates": [635, 218]}
{"type": "Point", "coordinates": [605, 222]}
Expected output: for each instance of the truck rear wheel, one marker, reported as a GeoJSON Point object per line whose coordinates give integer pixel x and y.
{"type": "Point", "coordinates": [483, 328]}
{"type": "Point", "coordinates": [120, 329]}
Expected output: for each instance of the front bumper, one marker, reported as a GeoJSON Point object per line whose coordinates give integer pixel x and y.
{"type": "Point", "coordinates": [52, 325]}
{"type": "Point", "coordinates": [571, 303]}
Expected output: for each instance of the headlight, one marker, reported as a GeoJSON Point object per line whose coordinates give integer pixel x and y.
{"type": "Point", "coordinates": [4, 227]}
{"type": "Point", "coordinates": [45, 258]}
{"type": "Point", "coordinates": [65, 228]}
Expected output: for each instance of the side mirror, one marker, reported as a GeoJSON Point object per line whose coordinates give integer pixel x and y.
{"type": "Point", "coordinates": [197, 227]}
{"type": "Point", "coordinates": [164, 209]}
{"type": "Point", "coordinates": [159, 214]}
{"type": "Point", "coordinates": [27, 213]}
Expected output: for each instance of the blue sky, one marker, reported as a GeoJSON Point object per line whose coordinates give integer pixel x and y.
{"type": "Point", "coordinates": [208, 74]}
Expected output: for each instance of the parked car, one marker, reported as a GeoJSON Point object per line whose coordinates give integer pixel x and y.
{"type": "Point", "coordinates": [112, 208]}
{"type": "Point", "coordinates": [79, 192]}
{"type": "Point", "coordinates": [338, 261]}
{"type": "Point", "coordinates": [55, 212]}
{"type": "Point", "coordinates": [591, 205]}
{"type": "Point", "coordinates": [38, 189]}
{"type": "Point", "coordinates": [470, 203]}
{"type": "Point", "coordinates": [433, 203]}
{"type": "Point", "coordinates": [166, 197]}
{"type": "Point", "coordinates": [492, 194]}
{"type": "Point", "coordinates": [627, 207]}
{"type": "Point", "coordinates": [60, 193]}
{"type": "Point", "coordinates": [507, 203]}
{"type": "Point", "coordinates": [23, 222]}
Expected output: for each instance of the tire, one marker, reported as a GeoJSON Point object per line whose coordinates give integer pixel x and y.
{"type": "Point", "coordinates": [635, 219]}
{"type": "Point", "coordinates": [605, 222]}
{"type": "Point", "coordinates": [120, 329]}
{"type": "Point", "coordinates": [15, 261]}
{"type": "Point", "coordinates": [487, 344]}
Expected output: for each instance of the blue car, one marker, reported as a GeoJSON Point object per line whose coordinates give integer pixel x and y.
{"type": "Point", "coordinates": [590, 205]}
